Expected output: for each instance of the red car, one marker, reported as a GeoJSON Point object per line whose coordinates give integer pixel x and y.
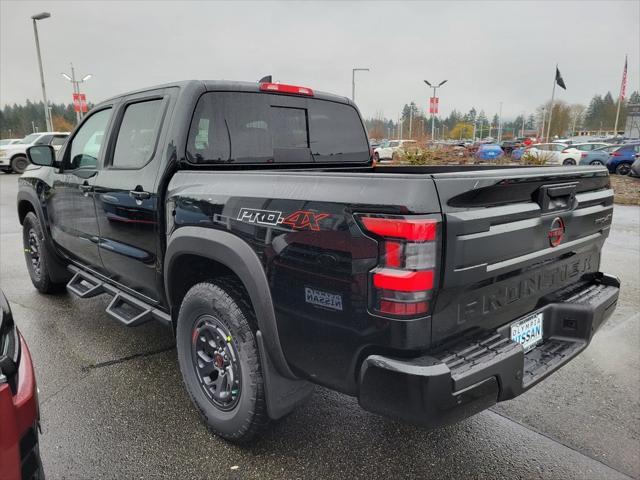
{"type": "Point", "coordinates": [19, 412]}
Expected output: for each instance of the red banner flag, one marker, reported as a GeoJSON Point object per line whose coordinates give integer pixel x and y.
{"type": "Point", "coordinates": [433, 105]}
{"type": "Point", "coordinates": [83, 103]}
{"type": "Point", "coordinates": [76, 102]}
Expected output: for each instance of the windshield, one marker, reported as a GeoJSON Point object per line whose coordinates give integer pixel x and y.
{"type": "Point", "coordinates": [607, 148]}
{"type": "Point", "coordinates": [30, 138]}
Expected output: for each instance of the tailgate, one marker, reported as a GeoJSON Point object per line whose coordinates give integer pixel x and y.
{"type": "Point", "coordinates": [513, 236]}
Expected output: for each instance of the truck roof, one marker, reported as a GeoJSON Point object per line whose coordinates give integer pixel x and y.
{"type": "Point", "coordinates": [228, 85]}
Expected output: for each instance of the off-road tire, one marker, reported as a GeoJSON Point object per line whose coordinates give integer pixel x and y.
{"type": "Point", "coordinates": [224, 300]}
{"type": "Point", "coordinates": [36, 255]}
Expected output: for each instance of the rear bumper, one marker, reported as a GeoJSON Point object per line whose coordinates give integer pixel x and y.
{"type": "Point", "coordinates": [468, 377]}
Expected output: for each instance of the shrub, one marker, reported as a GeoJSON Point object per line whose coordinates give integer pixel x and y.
{"type": "Point", "coordinates": [541, 158]}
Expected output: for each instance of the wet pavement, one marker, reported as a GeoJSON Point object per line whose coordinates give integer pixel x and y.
{"type": "Point", "coordinates": [113, 404]}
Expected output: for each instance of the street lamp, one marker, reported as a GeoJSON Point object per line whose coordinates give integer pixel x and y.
{"type": "Point", "coordinates": [76, 87]}
{"type": "Point", "coordinates": [500, 124]}
{"type": "Point", "coordinates": [47, 112]}
{"type": "Point", "coordinates": [433, 115]}
{"type": "Point", "coordinates": [353, 81]}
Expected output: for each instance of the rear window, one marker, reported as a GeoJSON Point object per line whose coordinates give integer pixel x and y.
{"type": "Point", "coordinates": [242, 127]}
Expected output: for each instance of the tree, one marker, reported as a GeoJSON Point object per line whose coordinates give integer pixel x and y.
{"type": "Point", "coordinates": [576, 111]}
{"type": "Point", "coordinates": [61, 124]}
{"type": "Point", "coordinates": [531, 122]}
{"type": "Point", "coordinates": [461, 130]}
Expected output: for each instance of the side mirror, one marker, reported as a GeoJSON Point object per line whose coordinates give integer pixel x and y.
{"type": "Point", "coordinates": [43, 155]}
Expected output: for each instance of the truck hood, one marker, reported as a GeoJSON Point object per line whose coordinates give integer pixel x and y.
{"type": "Point", "coordinates": [18, 147]}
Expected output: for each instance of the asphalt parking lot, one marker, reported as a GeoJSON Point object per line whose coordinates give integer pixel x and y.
{"type": "Point", "coordinates": [113, 405]}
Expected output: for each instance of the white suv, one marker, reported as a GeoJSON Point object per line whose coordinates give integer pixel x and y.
{"type": "Point", "coordinates": [386, 150]}
{"type": "Point", "coordinates": [13, 158]}
{"type": "Point", "coordinates": [571, 155]}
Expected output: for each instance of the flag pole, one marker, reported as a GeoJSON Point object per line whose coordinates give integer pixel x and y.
{"type": "Point", "coordinates": [553, 94]}
{"type": "Point", "coordinates": [615, 128]}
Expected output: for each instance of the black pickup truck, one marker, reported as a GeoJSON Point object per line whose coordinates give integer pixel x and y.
{"type": "Point", "coordinates": [251, 218]}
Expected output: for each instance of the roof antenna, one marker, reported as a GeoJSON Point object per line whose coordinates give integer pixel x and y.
{"type": "Point", "coordinates": [266, 79]}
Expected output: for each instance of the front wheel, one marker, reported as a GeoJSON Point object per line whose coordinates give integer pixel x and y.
{"type": "Point", "coordinates": [35, 254]}
{"type": "Point", "coordinates": [376, 156]}
{"type": "Point", "coordinates": [19, 164]}
{"type": "Point", "coordinates": [219, 359]}
{"type": "Point", "coordinates": [569, 161]}
{"type": "Point", "coordinates": [623, 169]}
{"type": "Point", "coordinates": [596, 163]}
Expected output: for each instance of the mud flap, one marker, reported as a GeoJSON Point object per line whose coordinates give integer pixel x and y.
{"type": "Point", "coordinates": [283, 395]}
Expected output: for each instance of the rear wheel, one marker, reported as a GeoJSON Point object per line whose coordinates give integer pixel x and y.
{"type": "Point", "coordinates": [376, 157]}
{"type": "Point", "coordinates": [219, 359]}
{"type": "Point", "coordinates": [569, 161]}
{"type": "Point", "coordinates": [19, 163]}
{"type": "Point", "coordinates": [35, 254]}
{"type": "Point", "coordinates": [623, 169]}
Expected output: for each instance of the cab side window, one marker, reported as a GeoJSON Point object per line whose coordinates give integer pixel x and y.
{"type": "Point", "coordinates": [88, 142]}
{"type": "Point", "coordinates": [58, 140]}
{"type": "Point", "coordinates": [138, 134]}
{"type": "Point", "coordinates": [44, 140]}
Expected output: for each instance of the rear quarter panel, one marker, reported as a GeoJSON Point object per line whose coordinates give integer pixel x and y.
{"type": "Point", "coordinates": [316, 257]}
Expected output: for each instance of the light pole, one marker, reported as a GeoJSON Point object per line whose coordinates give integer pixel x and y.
{"type": "Point", "coordinates": [76, 87]}
{"type": "Point", "coordinates": [353, 81]}
{"type": "Point", "coordinates": [433, 115]}
{"type": "Point", "coordinates": [500, 124]}
{"type": "Point", "coordinates": [47, 112]}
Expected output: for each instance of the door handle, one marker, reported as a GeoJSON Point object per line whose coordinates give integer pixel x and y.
{"type": "Point", "coordinates": [139, 194]}
{"type": "Point", "coordinates": [85, 188]}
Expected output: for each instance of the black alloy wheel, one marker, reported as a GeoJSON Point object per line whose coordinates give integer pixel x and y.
{"type": "Point", "coordinates": [216, 362]}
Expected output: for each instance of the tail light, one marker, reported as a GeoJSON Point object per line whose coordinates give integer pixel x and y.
{"type": "Point", "coordinates": [282, 88]}
{"type": "Point", "coordinates": [403, 282]}
{"type": "Point", "coordinates": [615, 154]}
{"type": "Point", "coordinates": [583, 154]}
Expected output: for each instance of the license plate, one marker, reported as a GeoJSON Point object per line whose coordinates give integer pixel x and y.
{"type": "Point", "coordinates": [528, 331]}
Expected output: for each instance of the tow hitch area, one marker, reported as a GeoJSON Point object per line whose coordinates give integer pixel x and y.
{"type": "Point", "coordinates": [467, 377]}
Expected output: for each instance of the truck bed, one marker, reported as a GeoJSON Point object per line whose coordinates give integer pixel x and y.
{"type": "Point", "coordinates": [495, 262]}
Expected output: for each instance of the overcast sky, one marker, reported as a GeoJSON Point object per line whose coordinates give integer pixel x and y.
{"type": "Point", "coordinates": [490, 52]}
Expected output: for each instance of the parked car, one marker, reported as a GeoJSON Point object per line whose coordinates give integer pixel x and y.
{"type": "Point", "coordinates": [509, 146]}
{"type": "Point", "coordinates": [9, 141]}
{"type": "Point", "coordinates": [635, 167]}
{"type": "Point", "coordinates": [621, 159]}
{"type": "Point", "coordinates": [573, 153]}
{"type": "Point", "coordinates": [517, 153]}
{"type": "Point", "coordinates": [387, 151]}
{"type": "Point", "coordinates": [598, 156]}
{"type": "Point", "coordinates": [13, 158]}
{"type": "Point", "coordinates": [282, 257]}
{"type": "Point", "coordinates": [489, 151]}
{"type": "Point", "coordinates": [19, 411]}
{"type": "Point", "coordinates": [551, 152]}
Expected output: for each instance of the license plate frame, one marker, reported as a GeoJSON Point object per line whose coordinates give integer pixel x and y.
{"type": "Point", "coordinates": [528, 331]}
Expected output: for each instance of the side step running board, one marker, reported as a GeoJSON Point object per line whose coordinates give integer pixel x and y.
{"type": "Point", "coordinates": [125, 308]}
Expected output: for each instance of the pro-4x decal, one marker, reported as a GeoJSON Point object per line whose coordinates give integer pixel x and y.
{"type": "Point", "coordinates": [299, 220]}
